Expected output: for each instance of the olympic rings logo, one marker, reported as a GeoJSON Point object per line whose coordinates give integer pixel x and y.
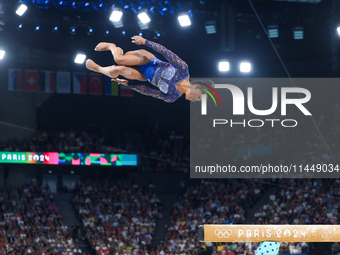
{"type": "Point", "coordinates": [223, 233]}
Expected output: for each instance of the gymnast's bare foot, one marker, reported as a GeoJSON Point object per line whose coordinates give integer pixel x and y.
{"type": "Point", "coordinates": [91, 65]}
{"type": "Point", "coordinates": [105, 46]}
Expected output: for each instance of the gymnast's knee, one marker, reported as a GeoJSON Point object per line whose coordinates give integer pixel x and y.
{"type": "Point", "coordinates": [115, 71]}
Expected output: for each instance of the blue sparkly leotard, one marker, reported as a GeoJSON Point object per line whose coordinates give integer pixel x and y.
{"type": "Point", "coordinates": [164, 75]}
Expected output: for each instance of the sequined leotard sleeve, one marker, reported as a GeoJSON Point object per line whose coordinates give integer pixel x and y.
{"type": "Point", "coordinates": [168, 54]}
{"type": "Point", "coordinates": [145, 90]}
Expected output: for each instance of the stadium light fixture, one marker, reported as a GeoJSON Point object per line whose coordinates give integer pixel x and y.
{"type": "Point", "coordinates": [116, 15]}
{"type": "Point", "coordinates": [80, 59]}
{"type": "Point", "coordinates": [273, 31]}
{"type": "Point", "coordinates": [144, 18]}
{"type": "Point", "coordinates": [224, 66]}
{"type": "Point", "coordinates": [21, 9]}
{"type": "Point", "coordinates": [184, 20]}
{"type": "Point", "coordinates": [338, 30]}
{"type": "Point", "coordinates": [210, 27]}
{"type": "Point", "coordinates": [245, 67]}
{"type": "Point", "coordinates": [2, 54]}
{"type": "Point", "coordinates": [118, 24]}
{"type": "Point", "coordinates": [298, 33]}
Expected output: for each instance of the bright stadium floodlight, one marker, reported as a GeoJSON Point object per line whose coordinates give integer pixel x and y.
{"type": "Point", "coordinates": [2, 54]}
{"type": "Point", "coordinates": [144, 18]}
{"type": "Point", "coordinates": [21, 10]}
{"type": "Point", "coordinates": [184, 20]}
{"type": "Point", "coordinates": [245, 67]}
{"type": "Point", "coordinates": [338, 30]}
{"type": "Point", "coordinates": [223, 66]}
{"type": "Point", "coordinates": [116, 15]}
{"type": "Point", "coordinates": [80, 58]}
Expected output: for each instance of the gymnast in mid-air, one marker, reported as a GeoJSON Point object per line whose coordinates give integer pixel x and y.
{"type": "Point", "coordinates": [171, 78]}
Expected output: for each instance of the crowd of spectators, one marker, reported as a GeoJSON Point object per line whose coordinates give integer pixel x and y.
{"type": "Point", "coordinates": [324, 144]}
{"type": "Point", "coordinates": [167, 148]}
{"type": "Point", "coordinates": [119, 218]}
{"type": "Point", "coordinates": [31, 223]}
{"type": "Point", "coordinates": [301, 201]}
{"type": "Point", "coordinates": [63, 141]}
{"type": "Point", "coordinates": [210, 202]}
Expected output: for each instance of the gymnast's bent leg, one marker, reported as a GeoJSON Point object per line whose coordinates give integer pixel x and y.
{"type": "Point", "coordinates": [131, 73]}
{"type": "Point", "coordinates": [131, 58]}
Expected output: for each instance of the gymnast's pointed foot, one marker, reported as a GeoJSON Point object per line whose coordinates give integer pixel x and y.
{"type": "Point", "coordinates": [91, 65]}
{"type": "Point", "coordinates": [105, 46]}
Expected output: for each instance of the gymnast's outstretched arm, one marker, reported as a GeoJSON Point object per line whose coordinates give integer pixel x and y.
{"type": "Point", "coordinates": [168, 54]}
{"type": "Point", "coordinates": [145, 90]}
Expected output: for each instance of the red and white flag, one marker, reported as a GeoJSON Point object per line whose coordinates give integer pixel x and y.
{"type": "Point", "coordinates": [31, 80]}
{"type": "Point", "coordinates": [95, 84]}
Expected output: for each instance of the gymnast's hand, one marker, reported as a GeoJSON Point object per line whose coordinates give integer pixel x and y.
{"type": "Point", "coordinates": [138, 40]}
{"type": "Point", "coordinates": [120, 81]}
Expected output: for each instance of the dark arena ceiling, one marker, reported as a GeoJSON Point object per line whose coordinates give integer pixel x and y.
{"type": "Point", "coordinates": [241, 33]}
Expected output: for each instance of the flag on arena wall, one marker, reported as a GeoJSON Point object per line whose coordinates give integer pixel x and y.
{"type": "Point", "coordinates": [31, 82]}
{"type": "Point", "coordinates": [111, 87]}
{"type": "Point", "coordinates": [95, 84]}
{"type": "Point", "coordinates": [126, 91]}
{"type": "Point", "coordinates": [80, 83]}
{"type": "Point", "coordinates": [14, 79]}
{"type": "Point", "coordinates": [64, 82]}
{"type": "Point", "coordinates": [47, 81]}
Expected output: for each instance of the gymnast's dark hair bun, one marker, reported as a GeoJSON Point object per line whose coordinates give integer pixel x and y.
{"type": "Point", "coordinates": [202, 82]}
